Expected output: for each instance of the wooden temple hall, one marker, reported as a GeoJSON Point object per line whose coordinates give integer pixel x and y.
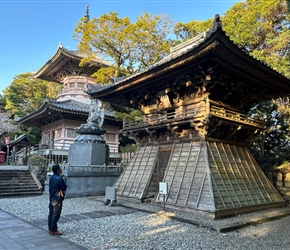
{"type": "Point", "coordinates": [195, 130]}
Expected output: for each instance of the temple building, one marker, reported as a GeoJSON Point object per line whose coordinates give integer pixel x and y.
{"type": "Point", "coordinates": [58, 118]}
{"type": "Point", "coordinates": [195, 128]}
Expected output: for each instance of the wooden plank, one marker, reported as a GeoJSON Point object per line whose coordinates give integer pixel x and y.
{"type": "Point", "coordinates": [174, 164]}
{"type": "Point", "coordinates": [119, 184]}
{"type": "Point", "coordinates": [243, 185]}
{"type": "Point", "coordinates": [201, 189]}
{"type": "Point", "coordinates": [193, 173]}
{"type": "Point", "coordinates": [218, 172]}
{"type": "Point", "coordinates": [137, 168]}
{"type": "Point", "coordinates": [125, 178]}
{"type": "Point", "coordinates": [167, 171]}
{"type": "Point", "coordinates": [147, 172]}
{"type": "Point", "coordinates": [270, 189]}
{"type": "Point", "coordinates": [257, 189]}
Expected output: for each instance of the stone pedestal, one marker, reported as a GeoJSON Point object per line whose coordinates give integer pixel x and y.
{"type": "Point", "coordinates": [88, 154]}
{"type": "Point", "coordinates": [279, 177]}
{"type": "Point", "coordinates": [88, 172]}
{"type": "Point", "coordinates": [46, 183]}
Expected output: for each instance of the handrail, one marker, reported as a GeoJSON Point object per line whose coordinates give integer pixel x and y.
{"type": "Point", "coordinates": [70, 90]}
{"type": "Point", "coordinates": [159, 118]}
{"type": "Point", "coordinates": [232, 115]}
{"type": "Point", "coordinates": [162, 118]}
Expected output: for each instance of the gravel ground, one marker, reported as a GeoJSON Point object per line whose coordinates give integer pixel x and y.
{"type": "Point", "coordinates": [148, 231]}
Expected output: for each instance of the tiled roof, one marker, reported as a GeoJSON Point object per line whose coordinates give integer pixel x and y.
{"type": "Point", "coordinates": [74, 105]}
{"type": "Point", "coordinates": [61, 58]}
{"type": "Point", "coordinates": [69, 106]}
{"type": "Point", "coordinates": [22, 140]}
{"type": "Point", "coordinates": [82, 55]}
{"type": "Point", "coordinates": [175, 52]}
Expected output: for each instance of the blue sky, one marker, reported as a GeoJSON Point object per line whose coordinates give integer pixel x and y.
{"type": "Point", "coordinates": [32, 29]}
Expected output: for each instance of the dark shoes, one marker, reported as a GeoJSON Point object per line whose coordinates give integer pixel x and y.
{"type": "Point", "coordinates": [55, 233]}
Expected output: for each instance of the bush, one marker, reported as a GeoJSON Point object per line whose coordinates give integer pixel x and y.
{"type": "Point", "coordinates": [36, 165]}
{"type": "Point", "coordinates": [36, 160]}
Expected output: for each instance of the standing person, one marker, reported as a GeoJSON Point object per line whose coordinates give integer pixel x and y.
{"type": "Point", "coordinates": [57, 188]}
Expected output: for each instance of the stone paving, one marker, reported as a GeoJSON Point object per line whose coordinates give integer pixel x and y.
{"type": "Point", "coordinates": [83, 216]}
{"type": "Point", "coordinates": [17, 234]}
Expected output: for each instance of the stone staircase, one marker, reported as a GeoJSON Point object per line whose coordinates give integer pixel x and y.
{"type": "Point", "coordinates": [17, 183]}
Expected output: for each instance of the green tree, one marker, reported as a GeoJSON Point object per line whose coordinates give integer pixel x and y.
{"type": "Point", "coordinates": [128, 116]}
{"type": "Point", "coordinates": [262, 29]}
{"type": "Point", "coordinates": [271, 148]}
{"type": "Point", "coordinates": [130, 46]}
{"type": "Point", "coordinates": [2, 103]}
{"type": "Point", "coordinates": [25, 94]}
{"type": "Point", "coordinates": [193, 28]}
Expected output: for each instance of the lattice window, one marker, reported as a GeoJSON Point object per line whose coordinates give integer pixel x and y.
{"type": "Point", "coordinates": [70, 133]}
{"type": "Point", "coordinates": [45, 138]}
{"type": "Point", "coordinates": [58, 133]}
{"type": "Point", "coordinates": [81, 85]}
{"type": "Point", "coordinates": [110, 137]}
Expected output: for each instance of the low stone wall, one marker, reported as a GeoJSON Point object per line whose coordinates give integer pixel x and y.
{"type": "Point", "coordinates": [283, 185]}
{"type": "Point", "coordinates": [85, 181]}
{"type": "Point", "coordinates": [40, 173]}
{"type": "Point", "coordinates": [80, 186]}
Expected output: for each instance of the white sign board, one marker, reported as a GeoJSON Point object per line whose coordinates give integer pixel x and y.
{"type": "Point", "coordinates": [163, 187]}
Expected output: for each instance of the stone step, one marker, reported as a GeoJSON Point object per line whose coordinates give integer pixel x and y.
{"type": "Point", "coordinates": [18, 187]}
{"type": "Point", "coordinates": [27, 191]}
{"type": "Point", "coordinates": [13, 171]}
{"type": "Point", "coordinates": [24, 193]}
{"type": "Point", "coordinates": [15, 179]}
{"type": "Point", "coordinates": [17, 183]}
{"type": "Point", "coordinates": [15, 175]}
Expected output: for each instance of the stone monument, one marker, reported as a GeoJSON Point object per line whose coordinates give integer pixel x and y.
{"type": "Point", "coordinates": [87, 171]}
{"type": "Point", "coordinates": [90, 147]}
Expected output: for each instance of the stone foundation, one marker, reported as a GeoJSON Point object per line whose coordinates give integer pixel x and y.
{"type": "Point", "coordinates": [283, 185]}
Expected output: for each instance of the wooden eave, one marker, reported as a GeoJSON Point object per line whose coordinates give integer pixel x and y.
{"type": "Point", "coordinates": [50, 111]}
{"type": "Point", "coordinates": [216, 49]}
{"type": "Point", "coordinates": [22, 141]}
{"type": "Point", "coordinates": [59, 60]}
{"type": "Point", "coordinates": [252, 70]}
{"type": "Point", "coordinates": [46, 111]}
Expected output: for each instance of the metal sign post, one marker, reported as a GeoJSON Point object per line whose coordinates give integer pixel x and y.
{"type": "Point", "coordinates": [163, 188]}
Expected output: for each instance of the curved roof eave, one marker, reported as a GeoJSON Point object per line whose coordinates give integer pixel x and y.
{"type": "Point", "coordinates": [64, 106]}
{"type": "Point", "coordinates": [65, 53]}
{"type": "Point", "coordinates": [188, 48]}
{"type": "Point", "coordinates": [178, 51]}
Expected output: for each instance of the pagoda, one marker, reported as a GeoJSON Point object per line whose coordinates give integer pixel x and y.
{"type": "Point", "coordinates": [58, 118]}
{"type": "Point", "coordinates": [195, 129]}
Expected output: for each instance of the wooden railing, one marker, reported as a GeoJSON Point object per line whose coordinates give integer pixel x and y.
{"type": "Point", "coordinates": [234, 116]}
{"type": "Point", "coordinates": [189, 114]}
{"type": "Point", "coordinates": [90, 169]}
{"type": "Point", "coordinates": [71, 90]}
{"type": "Point", "coordinates": [159, 119]}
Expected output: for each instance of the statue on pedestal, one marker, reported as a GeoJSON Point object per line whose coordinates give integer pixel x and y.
{"type": "Point", "coordinates": [96, 115]}
{"type": "Point", "coordinates": [92, 130]}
